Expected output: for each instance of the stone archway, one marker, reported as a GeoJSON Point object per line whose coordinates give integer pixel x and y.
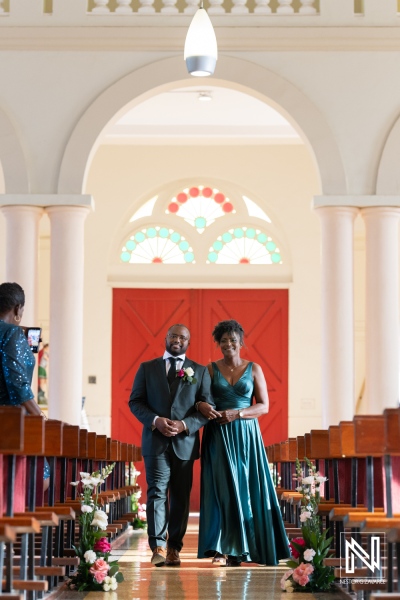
{"type": "Point", "coordinates": [388, 177]}
{"type": "Point", "coordinates": [12, 159]}
{"type": "Point", "coordinates": [235, 73]}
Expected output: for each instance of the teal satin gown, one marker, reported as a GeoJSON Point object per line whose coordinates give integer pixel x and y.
{"type": "Point", "coordinates": [239, 510]}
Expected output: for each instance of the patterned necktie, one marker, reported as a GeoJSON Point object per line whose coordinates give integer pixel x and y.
{"type": "Point", "coordinates": [172, 370]}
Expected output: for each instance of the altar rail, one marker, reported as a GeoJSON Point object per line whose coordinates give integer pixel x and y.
{"type": "Point", "coordinates": [354, 13]}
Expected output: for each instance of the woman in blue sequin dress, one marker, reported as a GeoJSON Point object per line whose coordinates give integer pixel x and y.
{"type": "Point", "coordinates": [16, 358]}
{"type": "Point", "coordinates": [240, 518]}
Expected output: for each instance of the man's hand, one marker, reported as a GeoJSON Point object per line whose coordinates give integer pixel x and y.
{"type": "Point", "coordinates": [179, 426]}
{"type": "Point", "coordinates": [167, 427]}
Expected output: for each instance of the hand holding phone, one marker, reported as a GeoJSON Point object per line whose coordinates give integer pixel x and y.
{"type": "Point", "coordinates": [33, 337]}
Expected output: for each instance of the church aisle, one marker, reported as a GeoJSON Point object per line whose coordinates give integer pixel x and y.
{"type": "Point", "coordinates": [194, 580]}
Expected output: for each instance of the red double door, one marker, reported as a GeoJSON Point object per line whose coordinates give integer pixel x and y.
{"type": "Point", "coordinates": [141, 318]}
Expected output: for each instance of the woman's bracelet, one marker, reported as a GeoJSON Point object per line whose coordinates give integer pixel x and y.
{"type": "Point", "coordinates": [197, 404]}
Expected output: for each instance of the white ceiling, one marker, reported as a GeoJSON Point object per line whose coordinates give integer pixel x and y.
{"type": "Point", "coordinates": [177, 116]}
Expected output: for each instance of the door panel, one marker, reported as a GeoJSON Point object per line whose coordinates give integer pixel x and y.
{"type": "Point", "coordinates": [141, 319]}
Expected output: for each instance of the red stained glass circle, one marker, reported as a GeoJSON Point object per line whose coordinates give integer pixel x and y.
{"type": "Point", "coordinates": [182, 197]}
{"type": "Point", "coordinates": [207, 192]}
{"type": "Point", "coordinates": [194, 192]}
{"type": "Point", "coordinates": [219, 198]}
{"type": "Point", "coordinates": [173, 207]}
{"type": "Point", "coordinates": [227, 207]}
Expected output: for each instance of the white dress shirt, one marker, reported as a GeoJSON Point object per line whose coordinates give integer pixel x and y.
{"type": "Point", "coordinates": [178, 365]}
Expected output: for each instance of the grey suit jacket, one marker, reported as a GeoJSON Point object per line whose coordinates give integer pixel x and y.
{"type": "Point", "coordinates": [151, 396]}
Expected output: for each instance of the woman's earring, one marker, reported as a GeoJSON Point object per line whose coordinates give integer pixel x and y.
{"type": "Point", "coordinates": [17, 319]}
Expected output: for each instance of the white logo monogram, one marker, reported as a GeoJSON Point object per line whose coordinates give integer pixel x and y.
{"type": "Point", "coordinates": [372, 561]}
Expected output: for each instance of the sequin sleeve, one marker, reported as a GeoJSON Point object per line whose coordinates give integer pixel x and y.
{"type": "Point", "coordinates": [17, 364]}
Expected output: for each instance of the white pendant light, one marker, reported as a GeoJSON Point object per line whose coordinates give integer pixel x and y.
{"type": "Point", "coordinates": [201, 51]}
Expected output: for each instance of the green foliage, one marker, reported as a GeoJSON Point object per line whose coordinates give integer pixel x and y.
{"type": "Point", "coordinates": [93, 522]}
{"type": "Point", "coordinates": [318, 578]}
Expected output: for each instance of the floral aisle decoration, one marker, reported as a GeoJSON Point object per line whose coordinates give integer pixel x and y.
{"type": "Point", "coordinates": [140, 521]}
{"type": "Point", "coordinates": [96, 572]}
{"type": "Point", "coordinates": [307, 572]}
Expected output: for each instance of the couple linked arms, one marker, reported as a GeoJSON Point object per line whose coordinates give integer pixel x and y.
{"type": "Point", "coordinates": [147, 414]}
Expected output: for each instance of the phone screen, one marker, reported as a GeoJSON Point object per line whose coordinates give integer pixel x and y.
{"type": "Point", "coordinates": [33, 337]}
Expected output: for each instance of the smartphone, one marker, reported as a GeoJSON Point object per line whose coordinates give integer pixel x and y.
{"type": "Point", "coordinates": [33, 337]}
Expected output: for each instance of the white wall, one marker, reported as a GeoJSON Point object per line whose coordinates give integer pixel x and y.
{"type": "Point", "coordinates": [356, 93]}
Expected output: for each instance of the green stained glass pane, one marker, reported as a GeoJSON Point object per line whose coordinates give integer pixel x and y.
{"type": "Point", "coordinates": [163, 233]}
{"type": "Point", "coordinates": [189, 257]}
{"type": "Point", "coordinates": [200, 222]}
{"type": "Point", "coordinates": [250, 233]}
{"type": "Point", "coordinates": [130, 245]}
{"type": "Point", "coordinates": [275, 257]}
{"type": "Point", "coordinates": [218, 245]}
{"type": "Point", "coordinates": [271, 246]}
{"type": "Point", "coordinates": [262, 238]}
{"type": "Point", "coordinates": [151, 232]}
{"type": "Point", "coordinates": [212, 257]}
{"type": "Point", "coordinates": [125, 256]}
{"type": "Point", "coordinates": [175, 237]}
{"type": "Point", "coordinates": [140, 237]}
{"type": "Point", "coordinates": [238, 233]}
{"type": "Point", "coordinates": [184, 245]}
{"type": "Point", "coordinates": [227, 237]}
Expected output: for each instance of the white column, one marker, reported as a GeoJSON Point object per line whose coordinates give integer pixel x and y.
{"type": "Point", "coordinates": [22, 236]}
{"type": "Point", "coordinates": [337, 344]}
{"type": "Point", "coordinates": [66, 312]}
{"type": "Point", "coordinates": [382, 308]}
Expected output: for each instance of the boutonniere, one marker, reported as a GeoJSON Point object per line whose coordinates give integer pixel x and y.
{"type": "Point", "coordinates": [186, 375]}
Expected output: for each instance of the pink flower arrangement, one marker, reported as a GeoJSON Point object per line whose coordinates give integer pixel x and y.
{"type": "Point", "coordinates": [142, 513]}
{"type": "Point", "coordinates": [302, 572]}
{"type": "Point", "coordinates": [99, 570]}
{"type": "Point", "coordinates": [96, 570]}
{"type": "Point", "coordinates": [102, 545]}
{"type": "Point", "coordinates": [308, 573]}
{"type": "Point", "coordinates": [294, 552]}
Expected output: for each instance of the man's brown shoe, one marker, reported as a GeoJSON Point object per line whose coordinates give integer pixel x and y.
{"type": "Point", "coordinates": [172, 559]}
{"type": "Point", "coordinates": [158, 558]}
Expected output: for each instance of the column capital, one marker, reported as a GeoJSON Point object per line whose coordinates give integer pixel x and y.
{"type": "Point", "coordinates": [72, 209]}
{"type": "Point", "coordinates": [46, 200]}
{"type": "Point", "coordinates": [337, 211]}
{"type": "Point", "coordinates": [18, 209]}
{"type": "Point", "coordinates": [363, 201]}
{"type": "Point", "coordinates": [380, 211]}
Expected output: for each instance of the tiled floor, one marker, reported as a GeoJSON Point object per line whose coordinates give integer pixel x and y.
{"type": "Point", "coordinates": [193, 580]}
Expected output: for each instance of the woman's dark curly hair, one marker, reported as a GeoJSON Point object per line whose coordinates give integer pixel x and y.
{"type": "Point", "coordinates": [231, 326]}
{"type": "Point", "coordinates": [11, 295]}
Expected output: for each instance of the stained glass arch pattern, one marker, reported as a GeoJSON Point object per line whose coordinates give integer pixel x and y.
{"type": "Point", "coordinates": [200, 206]}
{"type": "Point", "coordinates": [157, 244]}
{"type": "Point", "coordinates": [244, 245]}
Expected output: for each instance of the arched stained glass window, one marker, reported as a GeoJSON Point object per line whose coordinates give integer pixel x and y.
{"type": "Point", "coordinates": [244, 245]}
{"type": "Point", "coordinates": [200, 206]}
{"type": "Point", "coordinates": [157, 245]}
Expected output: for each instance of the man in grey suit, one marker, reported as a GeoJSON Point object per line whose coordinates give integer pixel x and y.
{"type": "Point", "coordinates": [164, 398]}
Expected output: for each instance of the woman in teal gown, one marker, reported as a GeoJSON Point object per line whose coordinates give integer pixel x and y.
{"type": "Point", "coordinates": [240, 518]}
